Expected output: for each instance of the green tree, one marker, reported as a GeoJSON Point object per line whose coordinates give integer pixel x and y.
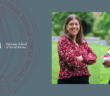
{"type": "Point", "coordinates": [104, 24]}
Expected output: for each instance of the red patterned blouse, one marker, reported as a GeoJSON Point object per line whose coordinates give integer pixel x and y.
{"type": "Point", "coordinates": [70, 66]}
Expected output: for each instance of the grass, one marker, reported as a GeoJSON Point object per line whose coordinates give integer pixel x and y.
{"type": "Point", "coordinates": [99, 74]}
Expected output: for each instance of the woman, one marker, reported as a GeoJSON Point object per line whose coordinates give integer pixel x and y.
{"type": "Point", "coordinates": [107, 64]}
{"type": "Point", "coordinates": [106, 61]}
{"type": "Point", "coordinates": [74, 54]}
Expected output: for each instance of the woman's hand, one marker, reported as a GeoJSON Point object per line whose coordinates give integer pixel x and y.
{"type": "Point", "coordinates": [107, 62]}
{"type": "Point", "coordinates": [80, 58]}
{"type": "Point", "coordinates": [70, 67]}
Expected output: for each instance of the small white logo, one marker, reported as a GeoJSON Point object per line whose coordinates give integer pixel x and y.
{"type": "Point", "coordinates": [0, 45]}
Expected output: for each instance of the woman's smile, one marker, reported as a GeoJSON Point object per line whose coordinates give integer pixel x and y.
{"type": "Point", "coordinates": [73, 27]}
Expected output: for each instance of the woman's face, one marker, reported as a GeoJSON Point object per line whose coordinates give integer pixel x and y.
{"type": "Point", "coordinates": [73, 27]}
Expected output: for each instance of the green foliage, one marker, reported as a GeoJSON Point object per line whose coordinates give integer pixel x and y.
{"type": "Point", "coordinates": [59, 18]}
{"type": "Point", "coordinates": [104, 24]}
{"type": "Point", "coordinates": [96, 28]}
{"type": "Point", "coordinates": [103, 33]}
{"type": "Point", "coordinates": [108, 37]}
{"type": "Point", "coordinates": [90, 34]}
{"type": "Point", "coordinates": [53, 33]}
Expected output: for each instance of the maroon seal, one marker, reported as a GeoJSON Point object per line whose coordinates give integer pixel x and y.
{"type": "Point", "coordinates": [20, 46]}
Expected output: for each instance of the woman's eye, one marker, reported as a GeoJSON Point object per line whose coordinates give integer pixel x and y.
{"type": "Point", "coordinates": [71, 24]}
{"type": "Point", "coordinates": [76, 24]}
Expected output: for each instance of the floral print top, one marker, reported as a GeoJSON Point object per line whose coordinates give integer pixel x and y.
{"type": "Point", "coordinates": [70, 66]}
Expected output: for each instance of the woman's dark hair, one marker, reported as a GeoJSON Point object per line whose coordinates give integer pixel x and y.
{"type": "Point", "coordinates": [80, 33]}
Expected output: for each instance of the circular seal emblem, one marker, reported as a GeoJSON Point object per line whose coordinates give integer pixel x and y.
{"type": "Point", "coordinates": [19, 46]}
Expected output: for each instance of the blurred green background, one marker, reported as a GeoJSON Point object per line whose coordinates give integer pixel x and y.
{"type": "Point", "coordinates": [105, 26]}
{"type": "Point", "coordinates": [89, 20]}
{"type": "Point", "coordinates": [104, 35]}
